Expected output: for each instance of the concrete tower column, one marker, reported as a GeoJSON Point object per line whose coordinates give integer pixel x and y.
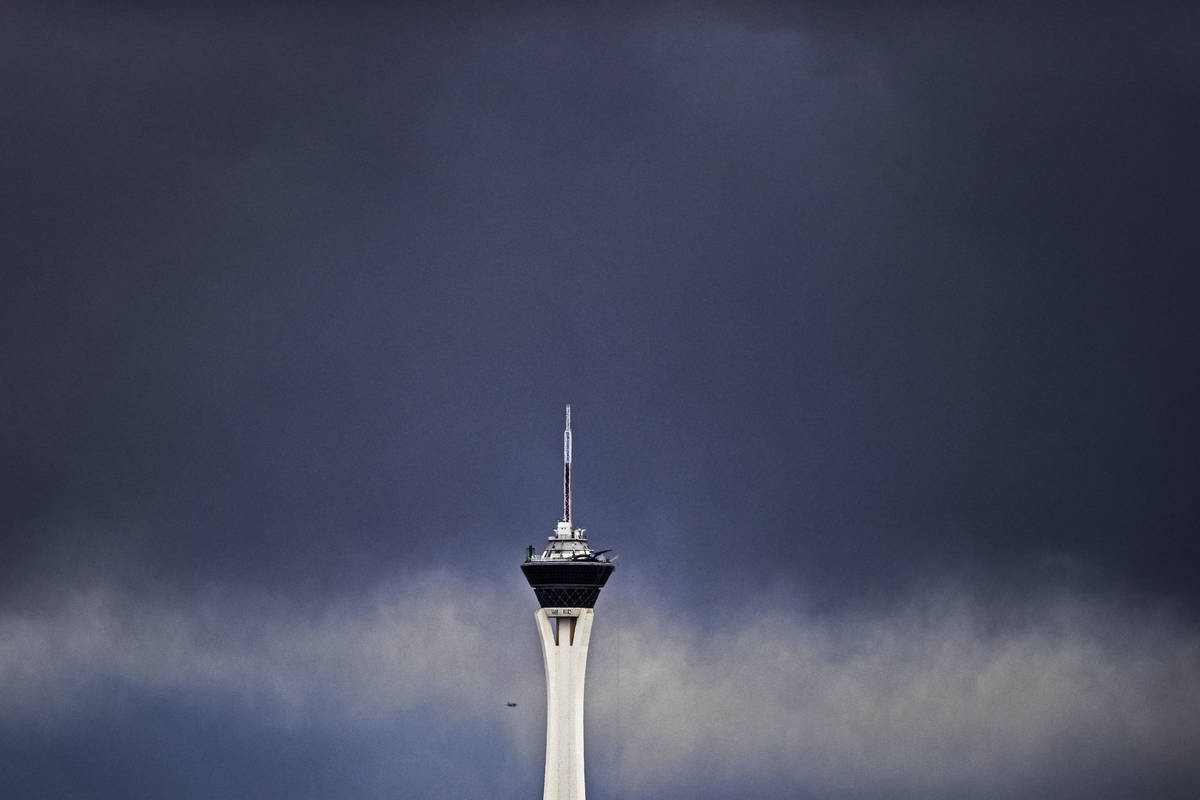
{"type": "Point", "coordinates": [564, 653]}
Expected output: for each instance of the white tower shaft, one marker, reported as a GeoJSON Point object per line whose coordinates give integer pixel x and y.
{"type": "Point", "coordinates": [564, 652]}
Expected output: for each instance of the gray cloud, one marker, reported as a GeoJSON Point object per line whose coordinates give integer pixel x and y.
{"type": "Point", "coordinates": [398, 649]}
{"type": "Point", "coordinates": [933, 697]}
{"type": "Point", "coordinates": [939, 696]}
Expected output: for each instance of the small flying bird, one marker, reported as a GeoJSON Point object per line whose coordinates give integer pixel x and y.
{"type": "Point", "coordinates": [511, 704]}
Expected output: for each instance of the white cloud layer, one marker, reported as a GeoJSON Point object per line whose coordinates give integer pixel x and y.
{"type": "Point", "coordinates": [1071, 694]}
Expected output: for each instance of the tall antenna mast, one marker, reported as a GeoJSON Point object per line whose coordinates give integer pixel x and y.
{"type": "Point", "coordinates": [567, 468]}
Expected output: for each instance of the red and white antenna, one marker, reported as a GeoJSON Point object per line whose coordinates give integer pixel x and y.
{"type": "Point", "coordinates": [567, 468]}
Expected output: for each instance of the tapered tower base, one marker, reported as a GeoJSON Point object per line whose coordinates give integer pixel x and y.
{"type": "Point", "coordinates": [565, 639]}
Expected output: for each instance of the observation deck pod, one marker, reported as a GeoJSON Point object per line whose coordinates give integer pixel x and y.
{"type": "Point", "coordinates": [568, 574]}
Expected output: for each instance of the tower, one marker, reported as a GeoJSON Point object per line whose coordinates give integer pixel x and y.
{"type": "Point", "coordinates": [567, 578]}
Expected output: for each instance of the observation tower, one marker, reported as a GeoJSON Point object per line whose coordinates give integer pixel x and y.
{"type": "Point", "coordinates": [567, 578]}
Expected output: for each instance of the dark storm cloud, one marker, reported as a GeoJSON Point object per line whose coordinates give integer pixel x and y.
{"type": "Point", "coordinates": [892, 276]}
{"type": "Point", "coordinates": [846, 298]}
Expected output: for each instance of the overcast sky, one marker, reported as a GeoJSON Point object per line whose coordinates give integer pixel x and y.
{"type": "Point", "coordinates": [879, 324]}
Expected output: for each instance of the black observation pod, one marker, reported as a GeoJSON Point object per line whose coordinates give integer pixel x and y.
{"type": "Point", "coordinates": [563, 583]}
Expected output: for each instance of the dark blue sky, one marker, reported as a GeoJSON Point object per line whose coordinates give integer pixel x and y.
{"type": "Point", "coordinates": [879, 326]}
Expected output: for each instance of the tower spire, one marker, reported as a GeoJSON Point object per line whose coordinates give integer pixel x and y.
{"type": "Point", "coordinates": [567, 468]}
